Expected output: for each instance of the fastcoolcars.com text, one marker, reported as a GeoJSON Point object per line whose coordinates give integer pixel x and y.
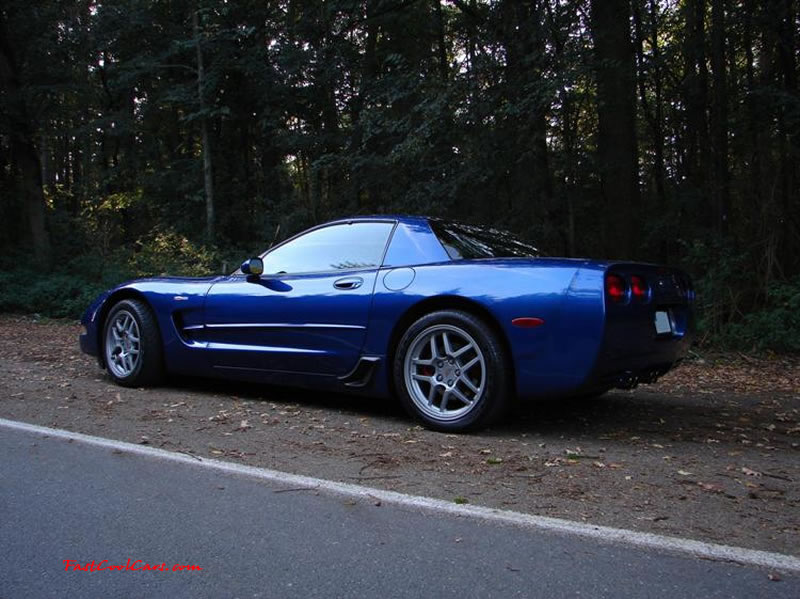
{"type": "Point", "coordinates": [71, 565]}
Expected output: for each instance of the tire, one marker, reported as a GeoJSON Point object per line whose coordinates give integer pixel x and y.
{"type": "Point", "coordinates": [132, 345]}
{"type": "Point", "coordinates": [464, 385]}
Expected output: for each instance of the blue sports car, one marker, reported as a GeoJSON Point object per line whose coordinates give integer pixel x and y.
{"type": "Point", "coordinates": [455, 320]}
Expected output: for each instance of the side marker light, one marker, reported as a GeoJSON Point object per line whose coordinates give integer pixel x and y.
{"type": "Point", "coordinates": [527, 322]}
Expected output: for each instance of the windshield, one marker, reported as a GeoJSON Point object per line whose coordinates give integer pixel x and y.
{"type": "Point", "coordinates": [468, 242]}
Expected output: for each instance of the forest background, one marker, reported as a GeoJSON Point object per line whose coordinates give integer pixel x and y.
{"type": "Point", "coordinates": [181, 136]}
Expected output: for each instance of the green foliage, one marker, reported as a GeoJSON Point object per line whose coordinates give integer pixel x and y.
{"type": "Point", "coordinates": [67, 290]}
{"type": "Point", "coordinates": [776, 326]}
{"type": "Point", "coordinates": [726, 287]}
{"type": "Point", "coordinates": [63, 294]}
{"type": "Point", "coordinates": [168, 253]}
{"type": "Point", "coordinates": [722, 281]}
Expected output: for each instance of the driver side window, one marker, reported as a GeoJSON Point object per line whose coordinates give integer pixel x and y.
{"type": "Point", "coordinates": [337, 247]}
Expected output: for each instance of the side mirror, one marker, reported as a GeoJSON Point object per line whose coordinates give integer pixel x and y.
{"type": "Point", "coordinates": [253, 266]}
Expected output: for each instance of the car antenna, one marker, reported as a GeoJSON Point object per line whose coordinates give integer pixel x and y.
{"type": "Point", "coordinates": [275, 237]}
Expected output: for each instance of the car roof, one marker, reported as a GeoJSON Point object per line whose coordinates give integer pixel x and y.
{"type": "Point", "coordinates": [403, 218]}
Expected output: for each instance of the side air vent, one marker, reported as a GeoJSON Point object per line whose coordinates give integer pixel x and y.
{"type": "Point", "coordinates": [361, 375]}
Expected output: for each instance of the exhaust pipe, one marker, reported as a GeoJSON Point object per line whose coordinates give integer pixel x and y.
{"type": "Point", "coordinates": [652, 376]}
{"type": "Point", "coordinates": [627, 380]}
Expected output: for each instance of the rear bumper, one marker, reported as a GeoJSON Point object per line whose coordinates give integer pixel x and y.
{"type": "Point", "coordinates": [633, 352]}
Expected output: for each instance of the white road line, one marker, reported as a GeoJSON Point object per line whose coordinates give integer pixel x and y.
{"type": "Point", "coordinates": [700, 549]}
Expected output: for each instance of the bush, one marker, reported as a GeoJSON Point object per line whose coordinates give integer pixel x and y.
{"type": "Point", "coordinates": [774, 327]}
{"type": "Point", "coordinates": [69, 287]}
{"type": "Point", "coordinates": [734, 311]}
{"type": "Point", "coordinates": [58, 295]}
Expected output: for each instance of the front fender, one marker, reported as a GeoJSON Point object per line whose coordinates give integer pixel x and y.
{"type": "Point", "coordinates": [175, 302]}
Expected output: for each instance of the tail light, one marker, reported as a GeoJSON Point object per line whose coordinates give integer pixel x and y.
{"type": "Point", "coordinates": [639, 288]}
{"type": "Point", "coordinates": [616, 288]}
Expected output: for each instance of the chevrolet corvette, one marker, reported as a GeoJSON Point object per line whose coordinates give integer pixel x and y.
{"type": "Point", "coordinates": [457, 321]}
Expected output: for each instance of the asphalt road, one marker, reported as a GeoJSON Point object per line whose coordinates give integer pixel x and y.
{"type": "Point", "coordinates": [71, 500]}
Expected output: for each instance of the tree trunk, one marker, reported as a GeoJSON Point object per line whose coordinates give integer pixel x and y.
{"type": "Point", "coordinates": [24, 155]}
{"type": "Point", "coordinates": [368, 71]}
{"type": "Point", "coordinates": [658, 127]}
{"type": "Point", "coordinates": [720, 190]}
{"type": "Point", "coordinates": [616, 108]}
{"type": "Point", "coordinates": [441, 43]}
{"type": "Point", "coordinates": [789, 133]}
{"type": "Point", "coordinates": [208, 179]}
{"type": "Point", "coordinates": [754, 134]}
{"type": "Point", "coordinates": [653, 111]}
{"type": "Point", "coordinates": [524, 42]}
{"type": "Point", "coordinates": [696, 151]}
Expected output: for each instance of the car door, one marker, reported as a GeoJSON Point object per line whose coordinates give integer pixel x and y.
{"type": "Point", "coordinates": [308, 312]}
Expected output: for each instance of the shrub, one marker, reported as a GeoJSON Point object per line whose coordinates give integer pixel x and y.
{"type": "Point", "coordinates": [68, 288]}
{"type": "Point", "coordinates": [776, 326]}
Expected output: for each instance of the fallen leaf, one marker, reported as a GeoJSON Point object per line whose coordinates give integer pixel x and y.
{"type": "Point", "coordinates": [711, 487]}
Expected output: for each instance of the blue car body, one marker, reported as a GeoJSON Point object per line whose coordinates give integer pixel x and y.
{"type": "Point", "coordinates": [339, 329]}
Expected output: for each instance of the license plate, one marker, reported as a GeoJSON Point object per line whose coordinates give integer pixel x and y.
{"type": "Point", "coordinates": [663, 323]}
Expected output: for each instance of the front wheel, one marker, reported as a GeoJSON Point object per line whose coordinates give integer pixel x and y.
{"type": "Point", "coordinates": [450, 372]}
{"type": "Point", "coordinates": [132, 345]}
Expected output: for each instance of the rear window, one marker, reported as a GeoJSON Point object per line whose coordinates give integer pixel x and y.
{"type": "Point", "coordinates": [469, 242]}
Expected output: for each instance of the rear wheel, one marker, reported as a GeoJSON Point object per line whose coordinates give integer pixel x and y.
{"type": "Point", "coordinates": [132, 345]}
{"type": "Point", "coordinates": [450, 372]}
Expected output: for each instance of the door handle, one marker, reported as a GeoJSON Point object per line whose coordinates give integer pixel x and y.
{"type": "Point", "coordinates": [349, 283]}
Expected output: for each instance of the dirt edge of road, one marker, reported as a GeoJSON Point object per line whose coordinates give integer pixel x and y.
{"type": "Point", "coordinates": [710, 453]}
